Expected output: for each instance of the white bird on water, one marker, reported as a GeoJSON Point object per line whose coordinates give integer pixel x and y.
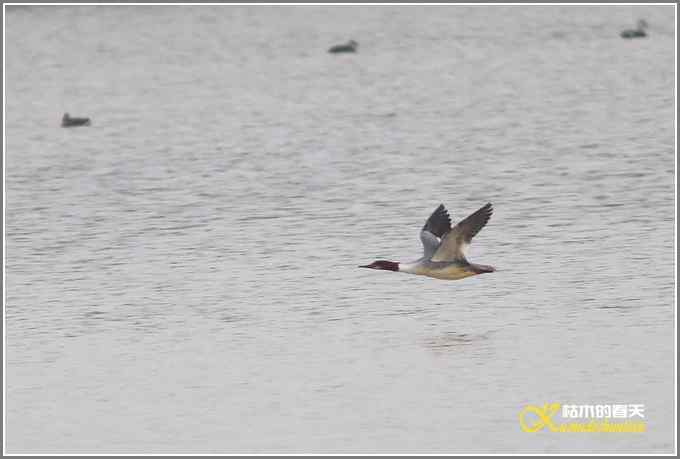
{"type": "Point", "coordinates": [444, 247]}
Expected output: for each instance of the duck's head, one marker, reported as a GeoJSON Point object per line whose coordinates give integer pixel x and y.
{"type": "Point", "coordinates": [642, 24]}
{"type": "Point", "coordinates": [383, 264]}
{"type": "Point", "coordinates": [353, 44]}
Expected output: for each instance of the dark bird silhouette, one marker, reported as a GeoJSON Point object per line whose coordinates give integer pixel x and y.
{"type": "Point", "coordinates": [349, 47]}
{"type": "Point", "coordinates": [638, 32]}
{"type": "Point", "coordinates": [67, 121]}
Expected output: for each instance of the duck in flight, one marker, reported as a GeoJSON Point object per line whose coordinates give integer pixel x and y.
{"type": "Point", "coordinates": [444, 247]}
{"type": "Point", "coordinates": [69, 121]}
{"type": "Point", "coordinates": [349, 47]}
{"type": "Point", "coordinates": [638, 32]}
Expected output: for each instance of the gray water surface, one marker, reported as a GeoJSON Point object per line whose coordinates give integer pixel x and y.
{"type": "Point", "coordinates": [181, 276]}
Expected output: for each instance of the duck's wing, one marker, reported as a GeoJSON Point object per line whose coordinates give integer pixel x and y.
{"type": "Point", "coordinates": [435, 227]}
{"type": "Point", "coordinates": [453, 243]}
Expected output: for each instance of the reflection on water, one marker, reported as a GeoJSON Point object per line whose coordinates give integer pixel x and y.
{"type": "Point", "coordinates": [181, 274]}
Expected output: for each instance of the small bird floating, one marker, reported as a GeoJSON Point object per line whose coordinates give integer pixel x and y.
{"type": "Point", "coordinates": [638, 32]}
{"type": "Point", "coordinates": [444, 247]}
{"type": "Point", "coordinates": [349, 47]}
{"type": "Point", "coordinates": [67, 121]}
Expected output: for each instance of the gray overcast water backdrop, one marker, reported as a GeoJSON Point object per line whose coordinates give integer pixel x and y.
{"type": "Point", "coordinates": [182, 275]}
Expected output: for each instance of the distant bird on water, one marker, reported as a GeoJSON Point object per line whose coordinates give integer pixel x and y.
{"type": "Point", "coordinates": [638, 32]}
{"type": "Point", "coordinates": [349, 47]}
{"type": "Point", "coordinates": [67, 121]}
{"type": "Point", "coordinates": [444, 247]}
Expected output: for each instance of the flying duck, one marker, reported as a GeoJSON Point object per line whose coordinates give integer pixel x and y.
{"type": "Point", "coordinates": [349, 47]}
{"type": "Point", "coordinates": [67, 121]}
{"type": "Point", "coordinates": [444, 247]}
{"type": "Point", "coordinates": [638, 32]}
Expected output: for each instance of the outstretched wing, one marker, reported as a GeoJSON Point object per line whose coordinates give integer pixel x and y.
{"type": "Point", "coordinates": [435, 227]}
{"type": "Point", "coordinates": [453, 243]}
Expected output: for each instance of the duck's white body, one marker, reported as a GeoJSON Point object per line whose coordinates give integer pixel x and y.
{"type": "Point", "coordinates": [450, 271]}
